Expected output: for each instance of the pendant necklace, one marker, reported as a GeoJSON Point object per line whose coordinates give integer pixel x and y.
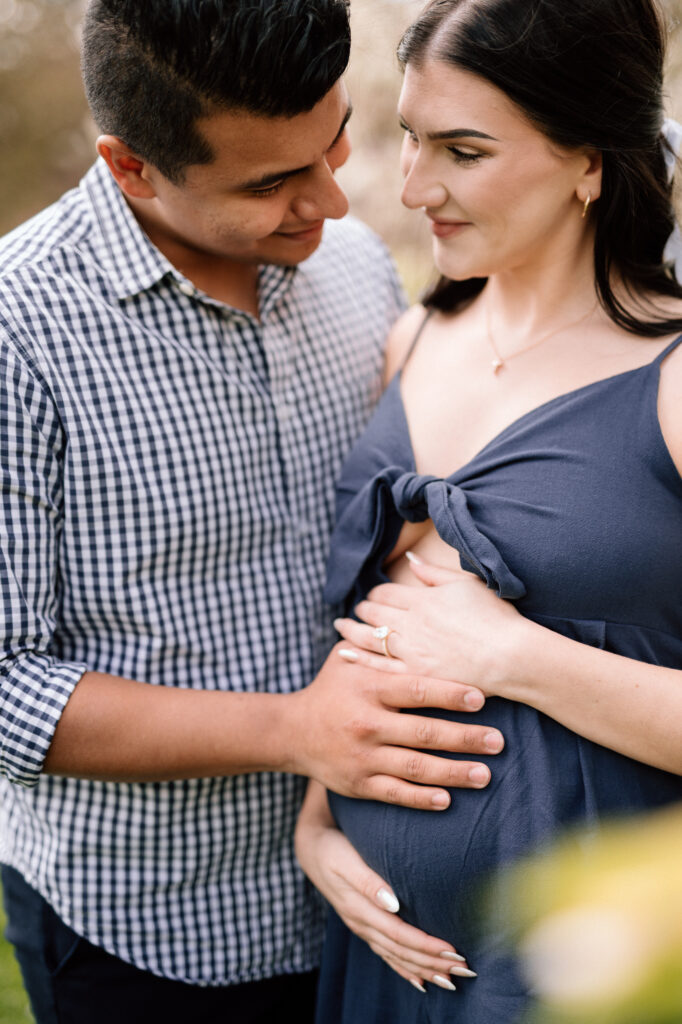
{"type": "Point", "coordinates": [498, 363]}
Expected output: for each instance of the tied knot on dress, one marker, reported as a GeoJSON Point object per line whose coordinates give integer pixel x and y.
{"type": "Point", "coordinates": [370, 519]}
{"type": "Point", "coordinates": [410, 496]}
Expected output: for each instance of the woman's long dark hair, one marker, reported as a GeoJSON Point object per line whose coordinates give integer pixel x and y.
{"type": "Point", "coordinates": [587, 73]}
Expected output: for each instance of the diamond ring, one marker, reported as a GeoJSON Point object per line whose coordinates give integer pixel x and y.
{"type": "Point", "coordinates": [383, 633]}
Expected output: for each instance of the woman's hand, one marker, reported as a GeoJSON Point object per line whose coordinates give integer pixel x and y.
{"type": "Point", "coordinates": [366, 903]}
{"type": "Point", "coordinates": [453, 628]}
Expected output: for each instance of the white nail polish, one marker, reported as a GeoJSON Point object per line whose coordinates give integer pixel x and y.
{"type": "Point", "coordinates": [438, 979]}
{"type": "Point", "coordinates": [447, 955]}
{"type": "Point", "coordinates": [417, 985]}
{"type": "Point", "coordinates": [348, 655]}
{"type": "Point", "coordinates": [463, 972]}
{"type": "Point", "coordinates": [388, 900]}
{"type": "Point", "coordinates": [411, 557]}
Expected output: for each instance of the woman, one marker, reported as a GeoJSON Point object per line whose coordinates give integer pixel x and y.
{"type": "Point", "coordinates": [530, 445]}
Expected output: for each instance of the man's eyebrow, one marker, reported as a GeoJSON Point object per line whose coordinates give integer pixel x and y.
{"type": "Point", "coordinates": [455, 133]}
{"type": "Point", "coordinates": [274, 179]}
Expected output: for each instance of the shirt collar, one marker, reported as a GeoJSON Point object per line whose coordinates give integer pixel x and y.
{"type": "Point", "coordinates": [132, 262]}
{"type": "Point", "coordinates": [125, 253]}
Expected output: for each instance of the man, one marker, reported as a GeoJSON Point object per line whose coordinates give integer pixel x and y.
{"type": "Point", "coordinates": [185, 361]}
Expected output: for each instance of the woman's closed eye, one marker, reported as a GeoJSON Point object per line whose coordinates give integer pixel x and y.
{"type": "Point", "coordinates": [464, 156]}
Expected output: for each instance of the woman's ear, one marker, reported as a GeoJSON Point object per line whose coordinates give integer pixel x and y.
{"type": "Point", "coordinates": [129, 170]}
{"type": "Point", "coordinates": [591, 178]}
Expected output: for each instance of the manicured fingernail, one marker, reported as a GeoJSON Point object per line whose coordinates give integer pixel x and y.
{"type": "Point", "coordinates": [438, 979]}
{"type": "Point", "coordinates": [493, 741]}
{"type": "Point", "coordinates": [463, 972]}
{"type": "Point", "coordinates": [480, 775]}
{"type": "Point", "coordinates": [337, 624]}
{"type": "Point", "coordinates": [348, 655]}
{"type": "Point", "coordinates": [447, 955]}
{"type": "Point", "coordinates": [474, 699]}
{"type": "Point", "coordinates": [441, 801]}
{"type": "Point", "coordinates": [418, 985]}
{"type": "Point", "coordinates": [411, 557]}
{"type": "Point", "coordinates": [388, 900]}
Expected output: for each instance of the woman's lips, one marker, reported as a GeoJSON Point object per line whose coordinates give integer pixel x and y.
{"type": "Point", "coordinates": [447, 228]}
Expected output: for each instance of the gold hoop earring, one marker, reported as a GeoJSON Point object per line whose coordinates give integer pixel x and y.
{"type": "Point", "coordinates": [587, 204]}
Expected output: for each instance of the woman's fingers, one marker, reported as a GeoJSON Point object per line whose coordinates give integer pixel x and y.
{"type": "Point", "coordinates": [381, 640]}
{"type": "Point", "coordinates": [366, 903]}
{"type": "Point", "coordinates": [413, 953]}
{"type": "Point", "coordinates": [431, 575]}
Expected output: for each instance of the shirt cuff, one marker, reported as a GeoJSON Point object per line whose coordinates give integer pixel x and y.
{"type": "Point", "coordinates": [33, 694]}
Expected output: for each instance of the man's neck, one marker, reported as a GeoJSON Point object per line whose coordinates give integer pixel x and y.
{"type": "Point", "coordinates": [223, 279]}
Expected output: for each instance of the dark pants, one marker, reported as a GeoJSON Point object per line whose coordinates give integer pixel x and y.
{"type": "Point", "coordinates": [70, 981]}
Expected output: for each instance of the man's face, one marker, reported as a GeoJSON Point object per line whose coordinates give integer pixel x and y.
{"type": "Point", "coordinates": [265, 196]}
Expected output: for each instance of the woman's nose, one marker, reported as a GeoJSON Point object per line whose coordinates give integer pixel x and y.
{"type": "Point", "coordinates": [421, 187]}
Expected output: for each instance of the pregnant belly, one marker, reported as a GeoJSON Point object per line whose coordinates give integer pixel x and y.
{"type": "Point", "coordinates": [442, 864]}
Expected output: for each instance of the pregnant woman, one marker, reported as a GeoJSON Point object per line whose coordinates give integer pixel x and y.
{"type": "Point", "coordinates": [529, 445]}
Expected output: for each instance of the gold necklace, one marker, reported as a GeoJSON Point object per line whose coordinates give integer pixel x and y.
{"type": "Point", "coordinates": [498, 363]}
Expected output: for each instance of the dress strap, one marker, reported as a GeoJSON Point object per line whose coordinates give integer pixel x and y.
{"type": "Point", "coordinates": [668, 349]}
{"type": "Point", "coordinates": [413, 343]}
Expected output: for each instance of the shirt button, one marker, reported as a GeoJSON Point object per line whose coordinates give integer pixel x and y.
{"type": "Point", "coordinates": [186, 288]}
{"type": "Point", "coordinates": [303, 529]}
{"type": "Point", "coordinates": [284, 412]}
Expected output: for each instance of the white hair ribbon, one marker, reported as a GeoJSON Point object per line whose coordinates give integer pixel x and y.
{"type": "Point", "coordinates": [672, 133]}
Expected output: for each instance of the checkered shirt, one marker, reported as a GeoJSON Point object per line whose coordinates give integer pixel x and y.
{"type": "Point", "coordinates": [167, 468]}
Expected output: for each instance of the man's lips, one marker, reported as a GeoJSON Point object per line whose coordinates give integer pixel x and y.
{"type": "Point", "coordinates": [447, 228]}
{"type": "Point", "coordinates": [305, 233]}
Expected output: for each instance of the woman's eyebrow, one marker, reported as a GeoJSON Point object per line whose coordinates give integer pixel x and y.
{"type": "Point", "coordinates": [454, 133]}
{"type": "Point", "coordinates": [461, 133]}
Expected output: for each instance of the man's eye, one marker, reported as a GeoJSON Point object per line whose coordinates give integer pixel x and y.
{"type": "Point", "coordinates": [269, 191]}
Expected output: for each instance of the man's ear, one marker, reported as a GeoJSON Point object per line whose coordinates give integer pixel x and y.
{"type": "Point", "coordinates": [130, 172]}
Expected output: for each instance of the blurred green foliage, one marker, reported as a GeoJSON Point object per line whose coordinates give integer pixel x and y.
{"type": "Point", "coordinates": [597, 919]}
{"type": "Point", "coordinates": [14, 1007]}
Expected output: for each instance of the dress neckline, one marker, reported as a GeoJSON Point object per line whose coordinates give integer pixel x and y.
{"type": "Point", "coordinates": [536, 410]}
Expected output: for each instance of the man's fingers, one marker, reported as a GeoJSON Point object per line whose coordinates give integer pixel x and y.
{"type": "Point", "coordinates": [391, 790]}
{"type": "Point", "coordinates": [430, 774]}
{"type": "Point", "coordinates": [413, 766]}
{"type": "Point", "coordinates": [410, 691]}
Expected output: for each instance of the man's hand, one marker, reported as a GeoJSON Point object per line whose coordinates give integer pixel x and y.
{"type": "Point", "coordinates": [348, 730]}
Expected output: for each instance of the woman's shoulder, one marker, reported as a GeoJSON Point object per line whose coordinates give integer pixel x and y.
{"type": "Point", "coordinates": [669, 405]}
{"type": "Point", "coordinates": [401, 338]}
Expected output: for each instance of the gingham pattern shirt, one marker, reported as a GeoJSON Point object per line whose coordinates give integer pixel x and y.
{"type": "Point", "coordinates": [167, 468]}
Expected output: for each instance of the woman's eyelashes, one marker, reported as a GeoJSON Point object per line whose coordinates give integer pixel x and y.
{"type": "Point", "coordinates": [461, 156]}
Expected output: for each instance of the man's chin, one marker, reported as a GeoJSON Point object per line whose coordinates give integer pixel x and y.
{"type": "Point", "coordinates": [290, 250]}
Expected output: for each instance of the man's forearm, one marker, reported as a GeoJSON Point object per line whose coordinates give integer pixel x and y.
{"type": "Point", "coordinates": [346, 729]}
{"type": "Point", "coordinates": [120, 730]}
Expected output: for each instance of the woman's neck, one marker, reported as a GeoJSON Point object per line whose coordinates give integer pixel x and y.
{"type": "Point", "coordinates": [531, 300]}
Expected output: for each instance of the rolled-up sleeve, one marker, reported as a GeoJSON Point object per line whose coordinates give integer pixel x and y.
{"type": "Point", "coordinates": [35, 683]}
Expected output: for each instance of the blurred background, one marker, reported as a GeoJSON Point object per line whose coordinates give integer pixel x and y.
{"type": "Point", "coordinates": [47, 137]}
{"type": "Point", "coordinates": [47, 143]}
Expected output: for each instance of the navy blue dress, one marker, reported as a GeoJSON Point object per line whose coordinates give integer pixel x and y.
{"type": "Point", "coordinates": [574, 512]}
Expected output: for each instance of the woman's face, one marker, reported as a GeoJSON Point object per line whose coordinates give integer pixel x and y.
{"type": "Point", "coordinates": [499, 194]}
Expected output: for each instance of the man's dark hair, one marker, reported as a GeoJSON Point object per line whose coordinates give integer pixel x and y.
{"type": "Point", "coordinates": [151, 68]}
